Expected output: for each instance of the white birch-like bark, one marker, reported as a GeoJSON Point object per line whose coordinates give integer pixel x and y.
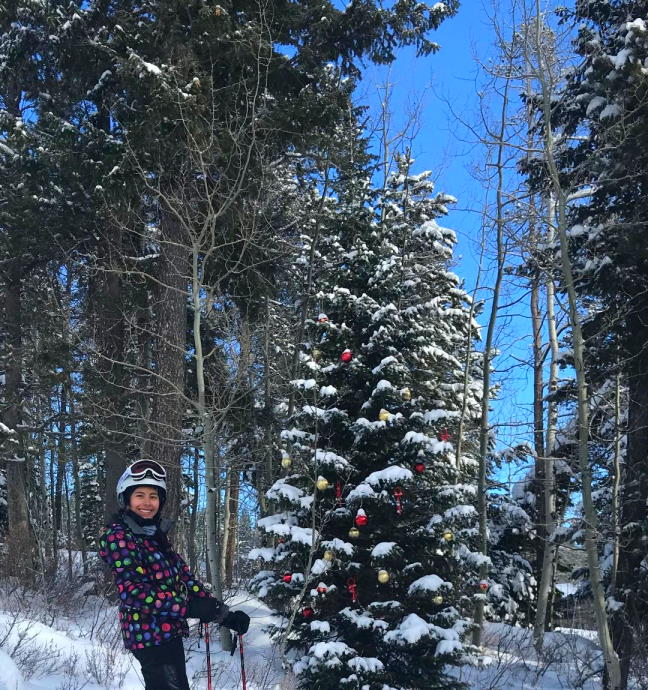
{"type": "Point", "coordinates": [537, 64]}
{"type": "Point", "coordinates": [549, 492]}
{"type": "Point", "coordinates": [484, 427]}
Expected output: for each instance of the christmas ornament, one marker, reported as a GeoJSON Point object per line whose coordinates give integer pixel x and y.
{"type": "Point", "coordinates": [448, 535]}
{"type": "Point", "coordinates": [322, 483]}
{"type": "Point", "coordinates": [339, 501]}
{"type": "Point", "coordinates": [444, 436]}
{"type": "Point", "coordinates": [287, 577]}
{"type": "Point", "coordinates": [286, 461]}
{"type": "Point", "coordinates": [352, 588]}
{"type": "Point", "coordinates": [406, 394]}
{"type": "Point", "coordinates": [384, 415]}
{"type": "Point", "coordinates": [383, 576]}
{"type": "Point", "coordinates": [218, 10]}
{"type": "Point", "coordinates": [354, 533]}
{"type": "Point", "coordinates": [438, 600]}
{"type": "Point", "coordinates": [322, 588]}
{"type": "Point", "coordinates": [483, 585]}
{"type": "Point", "coordinates": [419, 467]}
{"type": "Point", "coordinates": [398, 494]}
{"type": "Point", "coordinates": [361, 518]}
{"type": "Point", "coordinates": [308, 612]}
{"type": "Point", "coordinates": [315, 354]}
{"type": "Point", "coordinates": [281, 540]}
{"type": "Point", "coordinates": [346, 356]}
{"type": "Point", "coordinates": [328, 556]}
{"type": "Point", "coordinates": [322, 318]}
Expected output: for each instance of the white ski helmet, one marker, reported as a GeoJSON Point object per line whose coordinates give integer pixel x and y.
{"type": "Point", "coordinates": [142, 473]}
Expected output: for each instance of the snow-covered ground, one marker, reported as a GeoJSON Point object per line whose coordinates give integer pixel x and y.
{"type": "Point", "coordinates": [82, 650]}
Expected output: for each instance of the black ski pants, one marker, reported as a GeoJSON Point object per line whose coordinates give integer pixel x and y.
{"type": "Point", "coordinates": [163, 666]}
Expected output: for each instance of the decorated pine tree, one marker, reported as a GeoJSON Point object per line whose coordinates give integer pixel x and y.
{"type": "Point", "coordinates": [369, 555]}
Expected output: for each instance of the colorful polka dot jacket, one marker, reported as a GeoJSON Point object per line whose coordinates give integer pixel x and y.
{"type": "Point", "coordinates": [154, 585]}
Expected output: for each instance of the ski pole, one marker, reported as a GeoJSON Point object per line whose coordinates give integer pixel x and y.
{"type": "Point", "coordinates": [243, 678]}
{"type": "Point", "coordinates": [209, 669]}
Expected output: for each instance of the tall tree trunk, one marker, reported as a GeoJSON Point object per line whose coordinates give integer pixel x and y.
{"type": "Point", "coordinates": [212, 457]}
{"type": "Point", "coordinates": [542, 71]}
{"type": "Point", "coordinates": [234, 487]}
{"type": "Point", "coordinates": [484, 424]}
{"type": "Point", "coordinates": [544, 612]}
{"type": "Point", "coordinates": [61, 462]}
{"type": "Point", "coordinates": [616, 482]}
{"type": "Point", "coordinates": [164, 438]}
{"type": "Point", "coordinates": [76, 478]}
{"type": "Point", "coordinates": [21, 555]}
{"type": "Point", "coordinates": [193, 514]}
{"type": "Point", "coordinates": [109, 338]}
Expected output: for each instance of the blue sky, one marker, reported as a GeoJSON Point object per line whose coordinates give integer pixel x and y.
{"type": "Point", "coordinates": [444, 82]}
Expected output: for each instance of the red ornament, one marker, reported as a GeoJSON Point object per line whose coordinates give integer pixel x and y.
{"type": "Point", "coordinates": [352, 588]}
{"type": "Point", "coordinates": [322, 589]}
{"type": "Point", "coordinates": [346, 356]}
{"type": "Point", "coordinates": [308, 612]}
{"type": "Point", "coordinates": [338, 493]}
{"type": "Point", "coordinates": [287, 577]}
{"type": "Point", "coordinates": [361, 518]}
{"type": "Point", "coordinates": [444, 436]}
{"type": "Point", "coordinates": [419, 467]}
{"type": "Point", "coordinates": [398, 494]}
{"type": "Point", "coordinates": [322, 318]}
{"type": "Point", "coordinates": [483, 585]}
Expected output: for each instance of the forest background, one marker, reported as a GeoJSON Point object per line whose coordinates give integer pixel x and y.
{"type": "Point", "coordinates": [182, 184]}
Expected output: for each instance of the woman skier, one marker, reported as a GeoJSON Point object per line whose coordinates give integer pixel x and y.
{"type": "Point", "coordinates": [157, 591]}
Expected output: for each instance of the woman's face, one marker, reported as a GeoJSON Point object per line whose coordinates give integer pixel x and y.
{"type": "Point", "coordinates": [145, 502]}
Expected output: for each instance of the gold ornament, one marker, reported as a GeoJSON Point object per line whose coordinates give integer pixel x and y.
{"type": "Point", "coordinates": [286, 461]}
{"type": "Point", "coordinates": [438, 600]}
{"type": "Point", "coordinates": [322, 483]}
{"type": "Point", "coordinates": [354, 533]}
{"type": "Point", "coordinates": [383, 415]}
{"type": "Point", "coordinates": [383, 576]}
{"type": "Point", "coordinates": [448, 535]}
{"type": "Point", "coordinates": [329, 556]}
{"type": "Point", "coordinates": [315, 354]}
{"type": "Point", "coordinates": [406, 394]}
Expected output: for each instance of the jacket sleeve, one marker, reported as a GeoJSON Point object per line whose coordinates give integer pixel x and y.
{"type": "Point", "coordinates": [135, 583]}
{"type": "Point", "coordinates": [196, 589]}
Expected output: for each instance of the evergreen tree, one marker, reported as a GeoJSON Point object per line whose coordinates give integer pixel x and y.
{"type": "Point", "coordinates": [376, 524]}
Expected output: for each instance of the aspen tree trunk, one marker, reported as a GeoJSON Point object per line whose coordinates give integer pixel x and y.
{"type": "Point", "coordinates": [484, 427]}
{"type": "Point", "coordinates": [81, 545]}
{"type": "Point", "coordinates": [542, 74]}
{"type": "Point", "coordinates": [265, 475]}
{"type": "Point", "coordinates": [226, 524]}
{"type": "Point", "coordinates": [193, 514]}
{"type": "Point", "coordinates": [543, 608]}
{"type": "Point", "coordinates": [232, 478]}
{"type": "Point", "coordinates": [538, 410]}
{"type": "Point", "coordinates": [211, 457]}
{"type": "Point", "coordinates": [61, 464]}
{"type": "Point", "coordinates": [234, 486]}
{"type": "Point", "coordinates": [616, 483]}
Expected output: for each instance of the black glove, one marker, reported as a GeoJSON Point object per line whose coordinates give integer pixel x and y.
{"type": "Point", "coordinates": [238, 621]}
{"type": "Point", "coordinates": [207, 609]}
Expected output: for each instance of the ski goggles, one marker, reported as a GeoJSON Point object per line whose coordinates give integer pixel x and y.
{"type": "Point", "coordinates": [147, 468]}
